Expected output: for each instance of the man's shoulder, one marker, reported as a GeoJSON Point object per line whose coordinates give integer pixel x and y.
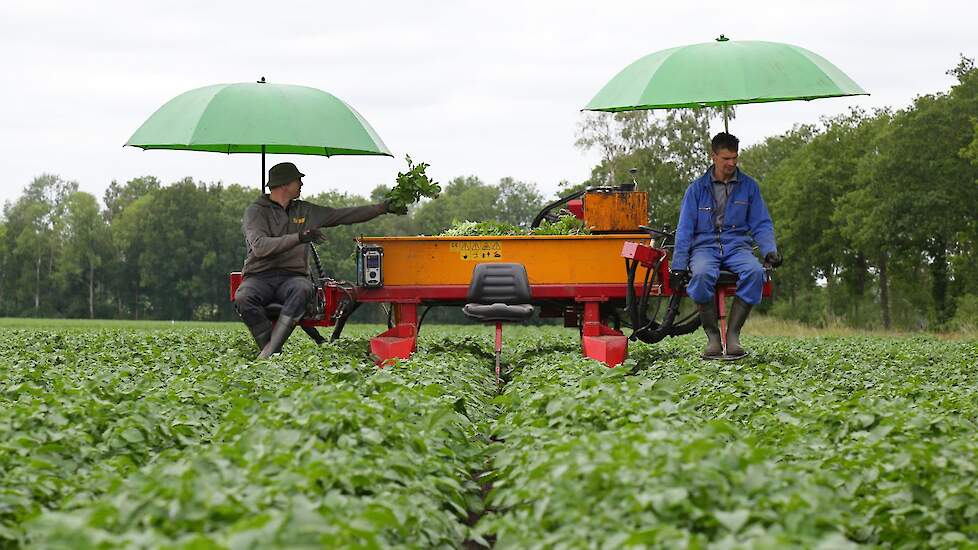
{"type": "Point", "coordinates": [747, 179]}
{"type": "Point", "coordinates": [259, 207]}
{"type": "Point", "coordinates": [300, 206]}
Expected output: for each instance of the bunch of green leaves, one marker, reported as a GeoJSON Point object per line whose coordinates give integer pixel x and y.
{"type": "Point", "coordinates": [568, 224]}
{"type": "Point", "coordinates": [411, 186]}
{"type": "Point", "coordinates": [485, 228]}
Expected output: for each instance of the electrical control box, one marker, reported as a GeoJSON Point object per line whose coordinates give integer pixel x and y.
{"type": "Point", "coordinates": [370, 265]}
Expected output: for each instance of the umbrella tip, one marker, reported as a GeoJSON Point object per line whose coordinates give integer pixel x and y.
{"type": "Point", "coordinates": [262, 81]}
{"type": "Point", "coordinates": [721, 39]}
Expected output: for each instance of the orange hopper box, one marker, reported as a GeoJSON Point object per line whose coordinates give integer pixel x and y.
{"type": "Point", "coordinates": [615, 211]}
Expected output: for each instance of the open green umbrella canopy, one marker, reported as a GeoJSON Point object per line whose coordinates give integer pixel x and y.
{"type": "Point", "coordinates": [257, 117]}
{"type": "Point", "coordinates": [720, 73]}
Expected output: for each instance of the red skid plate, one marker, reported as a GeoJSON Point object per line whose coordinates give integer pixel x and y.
{"type": "Point", "coordinates": [601, 342]}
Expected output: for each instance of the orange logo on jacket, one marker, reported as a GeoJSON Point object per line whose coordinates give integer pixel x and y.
{"type": "Point", "coordinates": [299, 221]}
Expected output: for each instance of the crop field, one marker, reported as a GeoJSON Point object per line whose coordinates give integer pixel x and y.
{"type": "Point", "coordinates": [174, 437]}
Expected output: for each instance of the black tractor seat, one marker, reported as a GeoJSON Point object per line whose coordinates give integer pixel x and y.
{"type": "Point", "coordinates": [727, 278]}
{"type": "Point", "coordinates": [499, 292]}
{"type": "Point", "coordinates": [490, 313]}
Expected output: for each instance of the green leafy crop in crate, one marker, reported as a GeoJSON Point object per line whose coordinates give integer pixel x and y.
{"type": "Point", "coordinates": [480, 229]}
{"type": "Point", "coordinates": [411, 187]}
{"type": "Point", "coordinates": [566, 225]}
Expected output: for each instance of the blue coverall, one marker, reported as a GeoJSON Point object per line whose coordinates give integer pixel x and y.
{"type": "Point", "coordinates": [703, 248]}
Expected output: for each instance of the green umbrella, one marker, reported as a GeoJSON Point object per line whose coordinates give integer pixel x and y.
{"type": "Point", "coordinates": [259, 118]}
{"type": "Point", "coordinates": [721, 73]}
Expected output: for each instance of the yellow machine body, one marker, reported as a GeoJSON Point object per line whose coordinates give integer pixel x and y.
{"type": "Point", "coordinates": [616, 211]}
{"type": "Point", "coordinates": [549, 259]}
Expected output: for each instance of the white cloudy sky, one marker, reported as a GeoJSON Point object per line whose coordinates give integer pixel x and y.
{"type": "Point", "coordinates": [490, 88]}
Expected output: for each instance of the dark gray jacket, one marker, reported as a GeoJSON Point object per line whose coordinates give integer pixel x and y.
{"type": "Point", "coordinates": [272, 232]}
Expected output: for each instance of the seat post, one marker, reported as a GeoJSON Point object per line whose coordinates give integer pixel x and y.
{"type": "Point", "coordinates": [499, 347]}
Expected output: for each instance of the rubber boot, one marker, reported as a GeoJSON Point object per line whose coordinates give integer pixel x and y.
{"type": "Point", "coordinates": [280, 333]}
{"type": "Point", "coordinates": [708, 318]}
{"type": "Point", "coordinates": [261, 333]}
{"type": "Point", "coordinates": [739, 311]}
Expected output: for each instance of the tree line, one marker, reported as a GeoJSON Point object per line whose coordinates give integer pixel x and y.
{"type": "Point", "coordinates": [875, 213]}
{"type": "Point", "coordinates": [158, 251]}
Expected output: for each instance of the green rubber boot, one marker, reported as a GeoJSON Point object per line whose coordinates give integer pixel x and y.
{"type": "Point", "coordinates": [735, 321]}
{"type": "Point", "coordinates": [709, 320]}
{"type": "Point", "coordinates": [283, 329]}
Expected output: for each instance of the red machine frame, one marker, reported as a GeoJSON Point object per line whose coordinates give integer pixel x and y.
{"type": "Point", "coordinates": [580, 305]}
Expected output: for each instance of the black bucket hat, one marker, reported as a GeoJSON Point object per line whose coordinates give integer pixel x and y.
{"type": "Point", "coordinates": [283, 173]}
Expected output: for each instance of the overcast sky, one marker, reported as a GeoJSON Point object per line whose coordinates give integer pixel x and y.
{"type": "Point", "coordinates": [487, 88]}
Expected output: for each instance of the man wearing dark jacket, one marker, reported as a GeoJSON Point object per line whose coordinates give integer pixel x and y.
{"type": "Point", "coordinates": [721, 214]}
{"type": "Point", "coordinates": [278, 228]}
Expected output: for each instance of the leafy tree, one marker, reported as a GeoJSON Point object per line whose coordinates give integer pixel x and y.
{"type": "Point", "coordinates": [33, 226]}
{"type": "Point", "coordinates": [464, 198]}
{"type": "Point", "coordinates": [87, 245]}
{"type": "Point", "coordinates": [922, 185]}
{"type": "Point", "coordinates": [117, 197]}
{"type": "Point", "coordinates": [668, 152]}
{"type": "Point", "coordinates": [518, 202]}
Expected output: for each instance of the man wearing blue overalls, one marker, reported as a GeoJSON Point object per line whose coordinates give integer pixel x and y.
{"type": "Point", "coordinates": [722, 212]}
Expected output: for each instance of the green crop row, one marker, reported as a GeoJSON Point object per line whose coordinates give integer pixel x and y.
{"type": "Point", "coordinates": [814, 444]}
{"type": "Point", "coordinates": [179, 439]}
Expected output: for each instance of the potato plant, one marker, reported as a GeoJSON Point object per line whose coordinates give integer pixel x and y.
{"type": "Point", "coordinates": [177, 438]}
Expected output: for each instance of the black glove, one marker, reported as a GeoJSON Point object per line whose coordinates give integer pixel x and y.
{"type": "Point", "coordinates": [773, 259]}
{"type": "Point", "coordinates": [678, 279]}
{"type": "Point", "coordinates": [389, 208]}
{"type": "Point", "coordinates": [311, 235]}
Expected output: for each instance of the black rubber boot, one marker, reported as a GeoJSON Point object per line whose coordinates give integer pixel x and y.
{"type": "Point", "coordinates": [283, 329]}
{"type": "Point", "coordinates": [739, 311]}
{"type": "Point", "coordinates": [261, 333]}
{"type": "Point", "coordinates": [708, 318]}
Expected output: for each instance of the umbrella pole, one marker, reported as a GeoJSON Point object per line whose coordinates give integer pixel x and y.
{"type": "Point", "coordinates": [262, 169]}
{"type": "Point", "coordinates": [726, 127]}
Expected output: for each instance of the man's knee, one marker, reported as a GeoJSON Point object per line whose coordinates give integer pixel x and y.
{"type": "Point", "coordinates": [301, 287]}
{"type": "Point", "coordinates": [247, 297]}
{"type": "Point", "coordinates": [249, 307]}
{"type": "Point", "coordinates": [705, 277]}
{"type": "Point", "coordinates": [754, 273]}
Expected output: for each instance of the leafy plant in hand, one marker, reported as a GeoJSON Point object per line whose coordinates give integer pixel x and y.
{"type": "Point", "coordinates": [411, 187]}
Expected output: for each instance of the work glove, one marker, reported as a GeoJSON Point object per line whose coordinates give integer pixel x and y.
{"type": "Point", "coordinates": [678, 279]}
{"type": "Point", "coordinates": [311, 235]}
{"type": "Point", "coordinates": [773, 259]}
{"type": "Point", "coordinates": [391, 209]}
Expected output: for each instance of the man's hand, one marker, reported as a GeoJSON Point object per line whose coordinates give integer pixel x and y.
{"type": "Point", "coordinates": [678, 279]}
{"type": "Point", "coordinates": [391, 209]}
{"type": "Point", "coordinates": [773, 259]}
{"type": "Point", "coordinates": [311, 235]}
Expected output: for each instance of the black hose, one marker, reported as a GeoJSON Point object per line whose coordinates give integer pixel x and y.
{"type": "Point", "coordinates": [423, 314]}
{"type": "Point", "coordinates": [546, 209]}
{"type": "Point", "coordinates": [341, 322]}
